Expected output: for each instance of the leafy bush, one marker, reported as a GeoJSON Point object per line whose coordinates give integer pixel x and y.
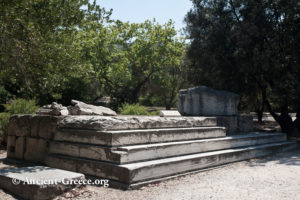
{"type": "Point", "coordinates": [135, 109]}
{"type": "Point", "coordinates": [18, 106]}
{"type": "Point", "coordinates": [4, 120]}
{"type": "Point", "coordinates": [21, 106]}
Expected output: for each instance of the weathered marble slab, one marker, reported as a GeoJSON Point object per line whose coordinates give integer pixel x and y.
{"type": "Point", "coordinates": [133, 122]}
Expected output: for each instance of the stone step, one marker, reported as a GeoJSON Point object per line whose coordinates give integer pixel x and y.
{"type": "Point", "coordinates": [142, 136]}
{"type": "Point", "coordinates": [127, 154]}
{"type": "Point", "coordinates": [151, 170]}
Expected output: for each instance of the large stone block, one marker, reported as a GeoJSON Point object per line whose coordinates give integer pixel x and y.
{"type": "Point", "coordinates": [204, 101]}
{"type": "Point", "coordinates": [229, 122]}
{"type": "Point", "coordinates": [47, 126]}
{"type": "Point", "coordinates": [16, 147]}
{"type": "Point", "coordinates": [19, 125]}
{"type": "Point", "coordinates": [36, 149]}
{"type": "Point", "coordinates": [11, 145]}
{"type": "Point", "coordinates": [20, 147]}
{"type": "Point", "coordinates": [34, 125]}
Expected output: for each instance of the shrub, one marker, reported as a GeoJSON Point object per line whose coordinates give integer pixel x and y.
{"type": "Point", "coordinates": [135, 109]}
{"type": "Point", "coordinates": [21, 106]}
{"type": "Point", "coordinates": [18, 106]}
{"type": "Point", "coordinates": [4, 120]}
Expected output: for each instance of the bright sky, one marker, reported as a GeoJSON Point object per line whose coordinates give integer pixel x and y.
{"type": "Point", "coordinates": [141, 10]}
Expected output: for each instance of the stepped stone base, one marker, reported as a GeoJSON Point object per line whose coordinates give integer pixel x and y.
{"type": "Point", "coordinates": [151, 151]}
{"type": "Point", "coordinates": [29, 135]}
{"type": "Point", "coordinates": [131, 150]}
{"type": "Point", "coordinates": [132, 173]}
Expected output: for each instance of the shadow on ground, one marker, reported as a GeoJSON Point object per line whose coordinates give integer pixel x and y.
{"type": "Point", "coordinates": [285, 158]}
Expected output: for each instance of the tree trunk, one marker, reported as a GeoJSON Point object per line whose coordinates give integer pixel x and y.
{"type": "Point", "coordinates": [296, 125]}
{"type": "Point", "coordinates": [286, 123]}
{"type": "Point", "coordinates": [284, 119]}
{"type": "Point", "coordinates": [259, 114]}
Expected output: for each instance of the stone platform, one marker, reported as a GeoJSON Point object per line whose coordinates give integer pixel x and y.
{"type": "Point", "coordinates": [132, 150]}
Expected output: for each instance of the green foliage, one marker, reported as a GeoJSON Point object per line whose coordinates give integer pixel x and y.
{"type": "Point", "coordinates": [62, 50]}
{"type": "Point", "coordinates": [139, 52]}
{"type": "Point", "coordinates": [21, 106]}
{"type": "Point", "coordinates": [18, 106]}
{"type": "Point", "coordinates": [38, 54]}
{"type": "Point", "coordinates": [4, 121]}
{"type": "Point", "coordinates": [136, 109]}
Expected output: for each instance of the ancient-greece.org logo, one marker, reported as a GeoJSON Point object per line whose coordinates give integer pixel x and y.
{"type": "Point", "coordinates": [64, 181]}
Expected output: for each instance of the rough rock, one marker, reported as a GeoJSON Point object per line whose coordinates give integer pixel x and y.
{"type": "Point", "coordinates": [53, 109]}
{"type": "Point", "coordinates": [204, 101]}
{"type": "Point", "coordinates": [80, 108]}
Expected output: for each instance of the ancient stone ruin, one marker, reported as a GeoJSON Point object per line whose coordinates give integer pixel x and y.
{"type": "Point", "coordinates": [77, 108]}
{"type": "Point", "coordinates": [134, 150]}
{"type": "Point", "coordinates": [204, 101]}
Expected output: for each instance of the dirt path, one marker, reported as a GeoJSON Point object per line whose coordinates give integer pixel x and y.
{"type": "Point", "coordinates": [272, 178]}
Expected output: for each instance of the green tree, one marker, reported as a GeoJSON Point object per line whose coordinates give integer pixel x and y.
{"type": "Point", "coordinates": [248, 46]}
{"type": "Point", "coordinates": [127, 56]}
{"type": "Point", "coordinates": [38, 58]}
{"type": "Point", "coordinates": [164, 86]}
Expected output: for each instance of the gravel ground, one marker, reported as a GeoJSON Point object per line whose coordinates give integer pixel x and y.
{"type": "Point", "coordinates": [274, 178]}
